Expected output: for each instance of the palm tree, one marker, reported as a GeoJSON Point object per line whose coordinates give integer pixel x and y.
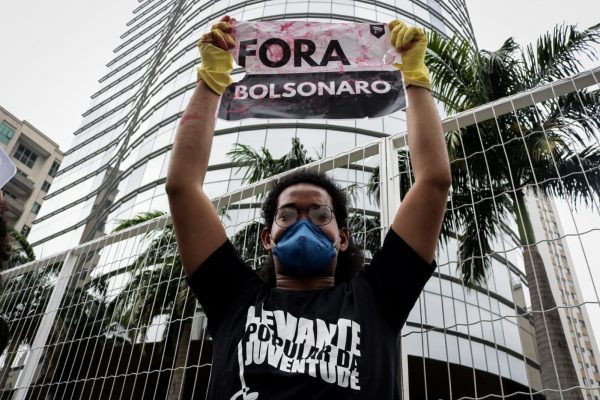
{"type": "Point", "coordinates": [365, 231]}
{"type": "Point", "coordinates": [21, 250]}
{"type": "Point", "coordinates": [156, 290]}
{"type": "Point", "coordinates": [547, 149]}
{"type": "Point", "coordinates": [153, 290]}
{"type": "Point", "coordinates": [25, 305]}
{"type": "Point", "coordinates": [261, 164]}
{"type": "Point", "coordinates": [248, 243]}
{"type": "Point", "coordinates": [23, 302]}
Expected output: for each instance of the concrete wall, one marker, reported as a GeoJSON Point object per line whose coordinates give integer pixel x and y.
{"type": "Point", "coordinates": [25, 188]}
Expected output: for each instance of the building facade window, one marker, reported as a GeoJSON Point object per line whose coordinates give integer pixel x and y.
{"type": "Point", "coordinates": [26, 156]}
{"type": "Point", "coordinates": [26, 229]}
{"type": "Point", "coordinates": [6, 132]}
{"type": "Point", "coordinates": [45, 186]}
{"type": "Point", "coordinates": [54, 168]}
{"type": "Point", "coordinates": [36, 208]}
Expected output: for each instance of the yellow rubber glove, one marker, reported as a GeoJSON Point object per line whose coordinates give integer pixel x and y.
{"type": "Point", "coordinates": [411, 43]}
{"type": "Point", "coordinates": [217, 63]}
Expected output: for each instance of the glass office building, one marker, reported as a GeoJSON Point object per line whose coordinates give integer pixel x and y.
{"type": "Point", "coordinates": [116, 168]}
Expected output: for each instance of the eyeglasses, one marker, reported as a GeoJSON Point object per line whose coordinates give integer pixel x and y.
{"type": "Point", "coordinates": [318, 214]}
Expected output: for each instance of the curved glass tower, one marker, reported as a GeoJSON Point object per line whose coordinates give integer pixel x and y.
{"type": "Point", "coordinates": [116, 168]}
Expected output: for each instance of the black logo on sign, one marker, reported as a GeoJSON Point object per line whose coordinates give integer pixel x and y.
{"type": "Point", "coordinates": [377, 30]}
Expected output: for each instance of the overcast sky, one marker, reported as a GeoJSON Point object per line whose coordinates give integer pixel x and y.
{"type": "Point", "coordinates": [54, 52]}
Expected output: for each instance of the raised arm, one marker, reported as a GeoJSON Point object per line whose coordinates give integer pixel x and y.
{"type": "Point", "coordinates": [419, 218]}
{"type": "Point", "coordinates": [197, 226]}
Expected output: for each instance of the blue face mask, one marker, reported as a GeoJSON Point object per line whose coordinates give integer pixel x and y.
{"type": "Point", "coordinates": [304, 250]}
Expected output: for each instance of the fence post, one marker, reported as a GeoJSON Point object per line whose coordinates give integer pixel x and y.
{"type": "Point", "coordinates": [27, 375]}
{"type": "Point", "coordinates": [389, 191]}
{"type": "Point", "coordinates": [389, 184]}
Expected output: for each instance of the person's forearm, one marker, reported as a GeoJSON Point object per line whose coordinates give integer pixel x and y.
{"type": "Point", "coordinates": [428, 152]}
{"type": "Point", "coordinates": [193, 141]}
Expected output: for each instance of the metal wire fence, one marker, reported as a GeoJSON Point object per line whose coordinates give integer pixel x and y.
{"type": "Point", "coordinates": [114, 318]}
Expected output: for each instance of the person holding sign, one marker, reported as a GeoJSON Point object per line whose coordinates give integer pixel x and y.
{"type": "Point", "coordinates": [324, 330]}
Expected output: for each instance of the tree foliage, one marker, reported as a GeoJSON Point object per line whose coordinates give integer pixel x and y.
{"type": "Point", "coordinates": [545, 149]}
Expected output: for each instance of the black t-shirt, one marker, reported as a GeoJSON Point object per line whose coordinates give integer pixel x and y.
{"type": "Point", "coordinates": [334, 343]}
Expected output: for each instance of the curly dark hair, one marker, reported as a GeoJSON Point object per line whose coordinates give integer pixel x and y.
{"type": "Point", "coordinates": [350, 261]}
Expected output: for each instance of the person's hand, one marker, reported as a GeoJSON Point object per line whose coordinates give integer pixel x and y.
{"type": "Point", "coordinates": [217, 63]}
{"type": "Point", "coordinates": [411, 43]}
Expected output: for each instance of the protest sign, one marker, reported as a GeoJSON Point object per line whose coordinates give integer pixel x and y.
{"type": "Point", "coordinates": [300, 69]}
{"type": "Point", "coordinates": [7, 168]}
